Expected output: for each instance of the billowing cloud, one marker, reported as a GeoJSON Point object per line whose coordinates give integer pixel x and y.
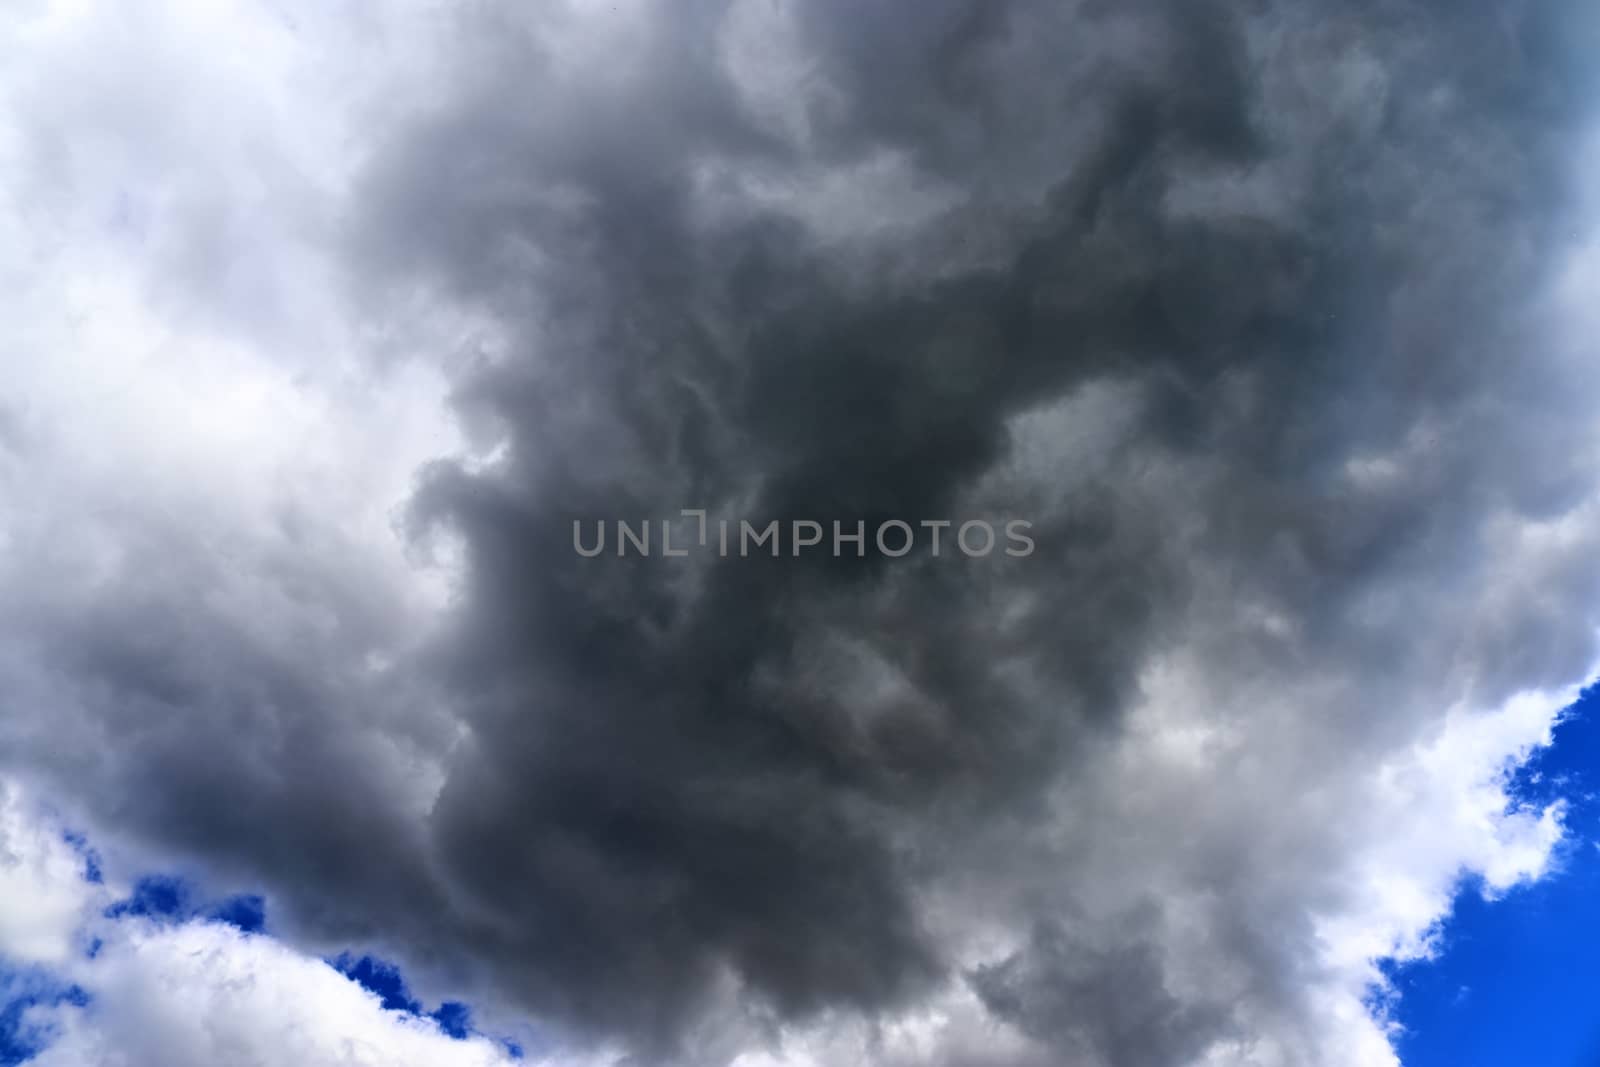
{"type": "Point", "coordinates": [1269, 319]}
{"type": "Point", "coordinates": [203, 993]}
{"type": "Point", "coordinates": [106, 983]}
{"type": "Point", "coordinates": [42, 889]}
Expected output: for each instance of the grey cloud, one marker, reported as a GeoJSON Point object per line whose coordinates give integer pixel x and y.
{"type": "Point", "coordinates": [1100, 1005]}
{"type": "Point", "coordinates": [1304, 242]}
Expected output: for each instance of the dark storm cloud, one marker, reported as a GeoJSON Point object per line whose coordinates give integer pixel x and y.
{"type": "Point", "coordinates": [219, 731]}
{"type": "Point", "coordinates": [1101, 1005]}
{"type": "Point", "coordinates": [1301, 237]}
{"type": "Point", "coordinates": [661, 785]}
{"type": "Point", "coordinates": [660, 782]}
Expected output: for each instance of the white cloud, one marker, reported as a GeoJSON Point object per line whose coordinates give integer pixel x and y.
{"type": "Point", "coordinates": [202, 994]}
{"type": "Point", "coordinates": [195, 994]}
{"type": "Point", "coordinates": [42, 891]}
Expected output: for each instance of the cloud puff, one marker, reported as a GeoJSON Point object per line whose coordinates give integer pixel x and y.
{"type": "Point", "coordinates": [42, 888]}
{"type": "Point", "coordinates": [204, 993]}
{"type": "Point", "coordinates": [90, 984]}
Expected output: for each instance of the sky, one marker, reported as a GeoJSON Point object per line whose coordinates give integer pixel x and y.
{"type": "Point", "coordinates": [330, 326]}
{"type": "Point", "coordinates": [1513, 977]}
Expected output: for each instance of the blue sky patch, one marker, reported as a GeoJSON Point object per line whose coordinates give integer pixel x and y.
{"type": "Point", "coordinates": [1517, 980]}
{"type": "Point", "coordinates": [155, 896]}
{"type": "Point", "coordinates": [91, 859]}
{"type": "Point", "coordinates": [247, 912]}
{"type": "Point", "coordinates": [384, 978]}
{"type": "Point", "coordinates": [22, 1038]}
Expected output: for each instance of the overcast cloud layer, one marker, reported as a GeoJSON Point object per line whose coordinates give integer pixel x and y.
{"type": "Point", "coordinates": [1275, 319]}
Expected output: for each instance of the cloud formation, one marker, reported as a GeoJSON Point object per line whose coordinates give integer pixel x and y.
{"type": "Point", "coordinates": [96, 983]}
{"type": "Point", "coordinates": [1269, 318]}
